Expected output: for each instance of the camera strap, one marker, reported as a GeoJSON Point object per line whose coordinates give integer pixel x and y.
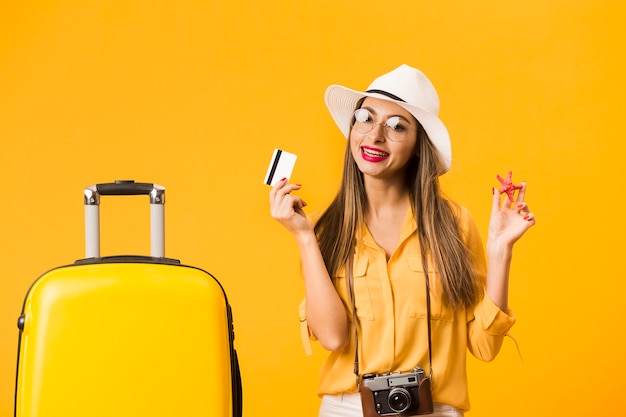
{"type": "Point", "coordinates": [353, 325]}
{"type": "Point", "coordinates": [351, 294]}
{"type": "Point", "coordinates": [428, 323]}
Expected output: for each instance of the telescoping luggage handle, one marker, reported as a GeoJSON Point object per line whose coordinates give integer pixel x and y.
{"type": "Point", "coordinates": [124, 187]}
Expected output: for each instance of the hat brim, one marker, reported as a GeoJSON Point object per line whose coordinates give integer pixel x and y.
{"type": "Point", "coordinates": [342, 101]}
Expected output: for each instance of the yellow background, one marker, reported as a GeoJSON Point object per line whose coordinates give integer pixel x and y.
{"type": "Point", "coordinates": [195, 95]}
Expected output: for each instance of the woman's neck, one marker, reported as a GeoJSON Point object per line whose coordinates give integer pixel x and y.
{"type": "Point", "coordinates": [385, 213]}
{"type": "Point", "coordinates": [385, 197]}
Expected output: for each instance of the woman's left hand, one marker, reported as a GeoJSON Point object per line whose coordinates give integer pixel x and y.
{"type": "Point", "coordinates": [509, 221]}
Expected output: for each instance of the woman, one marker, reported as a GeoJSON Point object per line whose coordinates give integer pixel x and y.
{"type": "Point", "coordinates": [390, 220]}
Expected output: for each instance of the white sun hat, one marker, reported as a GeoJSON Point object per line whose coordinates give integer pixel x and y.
{"type": "Point", "coordinates": [409, 88]}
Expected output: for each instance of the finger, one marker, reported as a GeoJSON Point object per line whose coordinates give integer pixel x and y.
{"type": "Point", "coordinates": [286, 187]}
{"type": "Point", "coordinates": [495, 202]}
{"type": "Point", "coordinates": [288, 205]}
{"type": "Point", "coordinates": [280, 199]}
{"type": "Point", "coordinates": [277, 187]}
{"type": "Point", "coordinates": [522, 208]}
{"type": "Point", "coordinates": [299, 209]}
{"type": "Point", "coordinates": [521, 194]}
{"type": "Point", "coordinates": [282, 188]}
{"type": "Point", "coordinates": [300, 203]}
{"type": "Point", "coordinates": [283, 208]}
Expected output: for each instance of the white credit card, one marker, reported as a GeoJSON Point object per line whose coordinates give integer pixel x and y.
{"type": "Point", "coordinates": [281, 166]}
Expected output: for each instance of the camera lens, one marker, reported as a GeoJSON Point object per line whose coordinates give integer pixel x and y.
{"type": "Point", "coordinates": [399, 400]}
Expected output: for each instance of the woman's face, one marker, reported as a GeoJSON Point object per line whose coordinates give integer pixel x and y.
{"type": "Point", "coordinates": [375, 153]}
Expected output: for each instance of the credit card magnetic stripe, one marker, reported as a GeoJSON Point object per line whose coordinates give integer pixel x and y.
{"type": "Point", "coordinates": [270, 177]}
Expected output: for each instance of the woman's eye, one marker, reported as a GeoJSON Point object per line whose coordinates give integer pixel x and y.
{"type": "Point", "coordinates": [394, 123]}
{"type": "Point", "coordinates": [362, 116]}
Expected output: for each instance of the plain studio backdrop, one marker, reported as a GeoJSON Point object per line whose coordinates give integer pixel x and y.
{"type": "Point", "coordinates": [195, 95]}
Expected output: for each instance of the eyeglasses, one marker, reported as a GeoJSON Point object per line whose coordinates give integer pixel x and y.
{"type": "Point", "coordinates": [396, 128]}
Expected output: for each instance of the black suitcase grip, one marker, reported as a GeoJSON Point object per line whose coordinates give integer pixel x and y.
{"type": "Point", "coordinates": [125, 187]}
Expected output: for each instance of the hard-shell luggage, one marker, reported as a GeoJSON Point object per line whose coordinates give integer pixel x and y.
{"type": "Point", "coordinates": [126, 335]}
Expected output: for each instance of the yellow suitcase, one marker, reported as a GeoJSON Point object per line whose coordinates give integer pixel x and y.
{"type": "Point", "coordinates": [126, 335]}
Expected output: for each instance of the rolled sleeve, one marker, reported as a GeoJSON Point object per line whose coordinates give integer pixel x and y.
{"type": "Point", "coordinates": [305, 333]}
{"type": "Point", "coordinates": [487, 328]}
{"type": "Point", "coordinates": [492, 319]}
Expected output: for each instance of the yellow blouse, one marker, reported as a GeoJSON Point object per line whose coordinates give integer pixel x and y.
{"type": "Point", "coordinates": [391, 312]}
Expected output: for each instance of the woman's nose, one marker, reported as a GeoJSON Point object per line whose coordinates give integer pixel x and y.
{"type": "Point", "coordinates": [378, 133]}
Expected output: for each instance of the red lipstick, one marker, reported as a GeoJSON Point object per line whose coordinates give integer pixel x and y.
{"type": "Point", "coordinates": [373, 154]}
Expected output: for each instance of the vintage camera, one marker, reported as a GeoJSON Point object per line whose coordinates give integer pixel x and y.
{"type": "Point", "coordinates": [406, 394]}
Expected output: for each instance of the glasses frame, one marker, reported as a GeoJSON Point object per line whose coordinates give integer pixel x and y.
{"type": "Point", "coordinates": [374, 123]}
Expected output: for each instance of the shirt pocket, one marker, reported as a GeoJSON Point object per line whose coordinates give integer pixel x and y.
{"type": "Point", "coordinates": [363, 300]}
{"type": "Point", "coordinates": [417, 293]}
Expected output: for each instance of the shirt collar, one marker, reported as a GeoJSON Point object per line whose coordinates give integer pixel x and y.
{"type": "Point", "coordinates": [409, 226]}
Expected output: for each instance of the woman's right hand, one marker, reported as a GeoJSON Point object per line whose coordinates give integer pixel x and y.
{"type": "Point", "coordinates": [287, 209]}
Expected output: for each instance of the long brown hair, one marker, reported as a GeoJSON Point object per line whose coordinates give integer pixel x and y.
{"type": "Point", "coordinates": [437, 224]}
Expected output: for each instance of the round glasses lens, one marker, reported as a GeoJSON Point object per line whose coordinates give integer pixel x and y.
{"type": "Point", "coordinates": [394, 129]}
{"type": "Point", "coordinates": [363, 121]}
{"type": "Point", "coordinates": [362, 115]}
